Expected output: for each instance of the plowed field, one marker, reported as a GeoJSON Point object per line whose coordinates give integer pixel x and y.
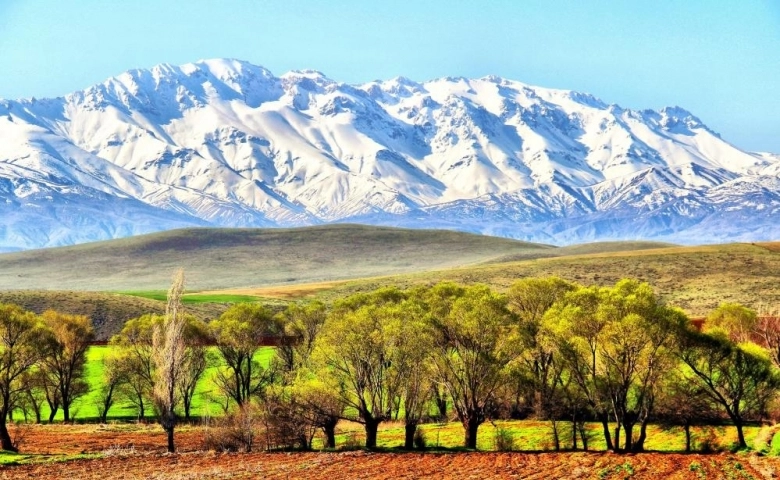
{"type": "Point", "coordinates": [403, 465]}
{"type": "Point", "coordinates": [136, 452]}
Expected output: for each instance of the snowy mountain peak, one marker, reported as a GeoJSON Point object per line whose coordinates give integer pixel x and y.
{"type": "Point", "coordinates": [226, 142]}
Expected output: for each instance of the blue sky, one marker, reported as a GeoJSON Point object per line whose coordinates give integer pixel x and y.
{"type": "Point", "coordinates": [720, 59]}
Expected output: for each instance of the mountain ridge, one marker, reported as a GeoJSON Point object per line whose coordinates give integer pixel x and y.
{"type": "Point", "coordinates": [226, 143]}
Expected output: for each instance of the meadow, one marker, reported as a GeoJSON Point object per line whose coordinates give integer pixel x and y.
{"type": "Point", "coordinates": [85, 408]}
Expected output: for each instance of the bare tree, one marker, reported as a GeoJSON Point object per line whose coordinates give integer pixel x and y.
{"type": "Point", "coordinates": [169, 358]}
{"type": "Point", "coordinates": [767, 328]}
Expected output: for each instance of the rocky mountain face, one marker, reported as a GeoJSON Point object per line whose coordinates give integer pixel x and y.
{"type": "Point", "coordinates": [227, 143]}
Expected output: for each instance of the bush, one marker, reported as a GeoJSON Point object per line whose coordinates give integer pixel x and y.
{"type": "Point", "coordinates": [709, 444]}
{"type": "Point", "coordinates": [235, 432]}
{"type": "Point", "coordinates": [504, 440]}
{"type": "Point", "coordinates": [419, 440]}
{"type": "Point", "coordinates": [351, 442]}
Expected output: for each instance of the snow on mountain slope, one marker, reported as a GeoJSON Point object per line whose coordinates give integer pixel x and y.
{"type": "Point", "coordinates": [224, 142]}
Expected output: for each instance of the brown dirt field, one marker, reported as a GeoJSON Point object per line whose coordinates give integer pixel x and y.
{"type": "Point", "coordinates": [283, 292]}
{"type": "Point", "coordinates": [404, 465]}
{"type": "Point", "coordinates": [134, 452]}
{"type": "Point", "coordinates": [75, 439]}
{"type": "Point", "coordinates": [771, 246]}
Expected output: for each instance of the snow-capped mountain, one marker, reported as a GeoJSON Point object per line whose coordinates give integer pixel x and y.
{"type": "Point", "coordinates": [225, 142]}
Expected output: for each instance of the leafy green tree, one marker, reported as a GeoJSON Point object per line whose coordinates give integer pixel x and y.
{"type": "Point", "coordinates": [133, 362]}
{"type": "Point", "coordinates": [616, 342]}
{"type": "Point", "coordinates": [197, 358]}
{"type": "Point", "coordinates": [301, 324]}
{"type": "Point", "coordinates": [537, 372]}
{"type": "Point", "coordinates": [681, 402]}
{"type": "Point", "coordinates": [238, 333]}
{"type": "Point", "coordinates": [112, 381]}
{"type": "Point", "coordinates": [574, 328]}
{"type": "Point", "coordinates": [22, 340]}
{"type": "Point", "coordinates": [316, 402]}
{"type": "Point", "coordinates": [738, 321]}
{"type": "Point", "coordinates": [411, 346]}
{"type": "Point", "coordinates": [65, 356]}
{"type": "Point", "coordinates": [738, 378]}
{"type": "Point", "coordinates": [355, 349]}
{"type": "Point", "coordinates": [322, 404]}
{"type": "Point", "coordinates": [471, 328]}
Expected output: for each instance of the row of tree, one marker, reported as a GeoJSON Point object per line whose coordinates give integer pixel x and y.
{"type": "Point", "coordinates": [547, 349]}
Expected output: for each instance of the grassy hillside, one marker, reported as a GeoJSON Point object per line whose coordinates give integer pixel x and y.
{"type": "Point", "coordinates": [696, 279]}
{"type": "Point", "coordinates": [223, 258]}
{"type": "Point", "coordinates": [108, 311]}
{"type": "Point", "coordinates": [233, 265]}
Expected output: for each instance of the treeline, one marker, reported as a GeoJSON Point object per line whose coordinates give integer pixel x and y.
{"type": "Point", "coordinates": [547, 349]}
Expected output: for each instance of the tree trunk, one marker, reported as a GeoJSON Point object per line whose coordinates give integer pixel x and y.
{"type": "Point", "coordinates": [556, 437]}
{"type": "Point", "coordinates": [186, 408]}
{"type": "Point", "coordinates": [5, 437]}
{"type": "Point", "coordinates": [371, 427]}
{"type": "Point", "coordinates": [639, 445]}
{"type": "Point", "coordinates": [687, 429]}
{"type": "Point", "coordinates": [52, 413]}
{"type": "Point", "coordinates": [616, 442]}
{"type": "Point", "coordinates": [584, 435]}
{"type": "Point", "coordinates": [409, 431]}
{"type": "Point", "coordinates": [740, 434]}
{"type": "Point", "coordinates": [628, 428]}
{"type": "Point", "coordinates": [330, 435]}
{"type": "Point", "coordinates": [171, 447]}
{"type": "Point", "coordinates": [441, 404]}
{"type": "Point", "coordinates": [607, 436]}
{"type": "Point", "coordinates": [471, 425]}
{"type": "Point", "coordinates": [66, 412]}
{"type": "Point", "coordinates": [574, 433]}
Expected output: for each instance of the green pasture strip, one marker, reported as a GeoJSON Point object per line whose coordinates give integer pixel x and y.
{"type": "Point", "coordinates": [162, 295]}
{"type": "Point", "coordinates": [531, 435]}
{"type": "Point", "coordinates": [218, 298]}
{"type": "Point", "coordinates": [8, 459]}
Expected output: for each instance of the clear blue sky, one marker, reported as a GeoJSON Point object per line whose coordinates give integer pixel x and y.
{"type": "Point", "coordinates": [719, 59]}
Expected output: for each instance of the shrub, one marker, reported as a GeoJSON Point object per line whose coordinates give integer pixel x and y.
{"type": "Point", "coordinates": [286, 425]}
{"type": "Point", "coordinates": [419, 440]}
{"type": "Point", "coordinates": [709, 443]}
{"type": "Point", "coordinates": [504, 440]}
{"type": "Point", "coordinates": [235, 432]}
{"type": "Point", "coordinates": [351, 442]}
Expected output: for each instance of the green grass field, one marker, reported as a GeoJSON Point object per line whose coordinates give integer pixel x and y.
{"type": "Point", "coordinates": [531, 435]}
{"type": "Point", "coordinates": [193, 298]}
{"type": "Point", "coordinates": [85, 408]}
